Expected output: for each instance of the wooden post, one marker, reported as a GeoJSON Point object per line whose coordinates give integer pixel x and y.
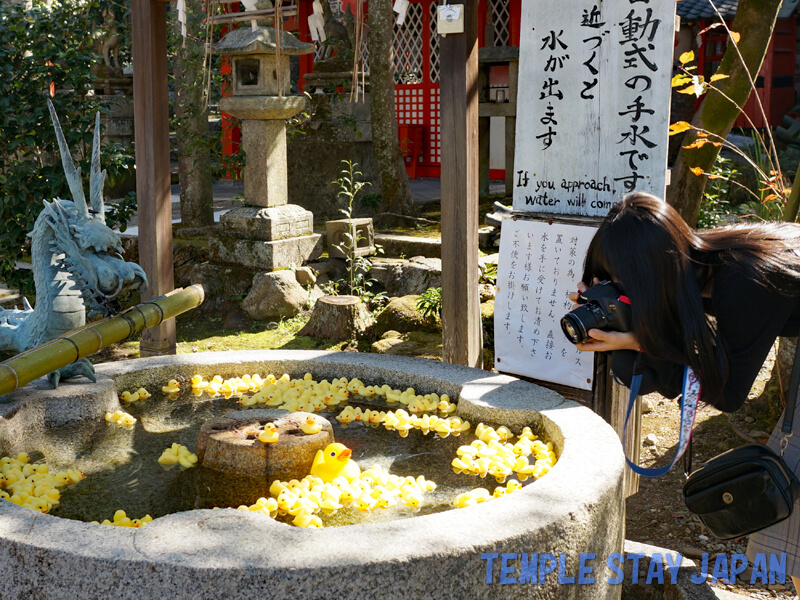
{"type": "Point", "coordinates": [484, 126]}
{"type": "Point", "coordinates": [461, 319]}
{"type": "Point", "coordinates": [511, 126]}
{"type": "Point", "coordinates": [151, 129]}
{"type": "Point", "coordinates": [610, 401]}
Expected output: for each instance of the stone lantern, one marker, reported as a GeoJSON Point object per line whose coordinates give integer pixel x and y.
{"type": "Point", "coordinates": [267, 232]}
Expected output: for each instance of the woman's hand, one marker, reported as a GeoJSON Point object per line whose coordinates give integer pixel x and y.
{"type": "Point", "coordinates": [603, 341]}
{"type": "Point", "coordinates": [582, 287]}
{"type": "Point", "coordinates": [573, 296]}
{"type": "Point", "coordinates": [606, 341]}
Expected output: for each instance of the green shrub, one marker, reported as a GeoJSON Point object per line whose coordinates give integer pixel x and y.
{"type": "Point", "coordinates": [429, 304]}
{"type": "Point", "coordinates": [40, 47]}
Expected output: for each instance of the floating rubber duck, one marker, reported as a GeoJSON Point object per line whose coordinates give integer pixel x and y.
{"type": "Point", "coordinates": [177, 455]}
{"type": "Point", "coordinates": [120, 419]}
{"type": "Point", "coordinates": [247, 401]}
{"type": "Point", "coordinates": [270, 434]}
{"type": "Point", "coordinates": [172, 387]}
{"type": "Point", "coordinates": [504, 433]}
{"type": "Point", "coordinates": [311, 426]}
{"type": "Point", "coordinates": [120, 519]}
{"type": "Point", "coordinates": [127, 397]}
{"type": "Point", "coordinates": [335, 461]}
{"type": "Point", "coordinates": [143, 394]}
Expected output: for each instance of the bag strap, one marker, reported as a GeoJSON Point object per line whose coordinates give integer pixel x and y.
{"type": "Point", "coordinates": [688, 403]}
{"type": "Point", "coordinates": [791, 400]}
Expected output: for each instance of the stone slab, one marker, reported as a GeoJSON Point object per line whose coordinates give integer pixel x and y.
{"type": "Point", "coordinates": [267, 224]}
{"type": "Point", "coordinates": [683, 588]}
{"type": "Point", "coordinates": [409, 245]}
{"type": "Point", "coordinates": [263, 107]}
{"type": "Point", "coordinates": [266, 255]}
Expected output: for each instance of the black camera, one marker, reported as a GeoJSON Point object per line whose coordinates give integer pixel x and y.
{"type": "Point", "coordinates": [605, 306]}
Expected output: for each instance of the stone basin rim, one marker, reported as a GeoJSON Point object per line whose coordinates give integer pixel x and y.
{"type": "Point", "coordinates": [581, 477]}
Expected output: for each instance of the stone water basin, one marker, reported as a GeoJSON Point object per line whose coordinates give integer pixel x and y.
{"type": "Point", "coordinates": [577, 507]}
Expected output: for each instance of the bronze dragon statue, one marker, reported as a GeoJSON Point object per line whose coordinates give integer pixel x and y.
{"type": "Point", "coordinates": [77, 264]}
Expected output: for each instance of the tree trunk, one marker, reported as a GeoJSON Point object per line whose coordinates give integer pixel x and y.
{"type": "Point", "coordinates": [772, 400]}
{"type": "Point", "coordinates": [191, 122]}
{"type": "Point", "coordinates": [338, 318]}
{"type": "Point", "coordinates": [755, 20]}
{"type": "Point", "coordinates": [391, 166]}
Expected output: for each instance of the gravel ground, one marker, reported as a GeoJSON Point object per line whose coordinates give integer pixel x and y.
{"type": "Point", "coordinates": [657, 515]}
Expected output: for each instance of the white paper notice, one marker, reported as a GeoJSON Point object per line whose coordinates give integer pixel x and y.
{"type": "Point", "coordinates": [539, 265]}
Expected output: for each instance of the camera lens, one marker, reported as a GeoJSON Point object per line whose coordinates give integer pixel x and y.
{"type": "Point", "coordinates": [573, 329]}
{"type": "Point", "coordinates": [576, 324]}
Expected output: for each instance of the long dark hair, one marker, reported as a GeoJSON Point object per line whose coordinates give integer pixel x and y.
{"type": "Point", "coordinates": [663, 265]}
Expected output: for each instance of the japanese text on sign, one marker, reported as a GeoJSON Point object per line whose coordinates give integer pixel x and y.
{"type": "Point", "coordinates": [593, 103]}
{"type": "Point", "coordinates": [538, 265]}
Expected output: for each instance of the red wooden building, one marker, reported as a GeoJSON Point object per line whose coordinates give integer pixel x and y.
{"type": "Point", "coordinates": [417, 72]}
{"type": "Point", "coordinates": [776, 81]}
{"type": "Point", "coordinates": [417, 66]}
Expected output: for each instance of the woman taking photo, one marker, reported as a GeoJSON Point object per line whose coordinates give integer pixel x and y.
{"type": "Point", "coordinates": [714, 300]}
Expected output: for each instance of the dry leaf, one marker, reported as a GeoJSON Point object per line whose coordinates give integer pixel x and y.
{"type": "Point", "coordinates": [697, 171]}
{"type": "Point", "coordinates": [770, 197]}
{"type": "Point", "coordinates": [697, 144]}
{"type": "Point", "coordinates": [702, 134]}
{"type": "Point", "coordinates": [686, 57]}
{"type": "Point", "coordinates": [718, 76]}
{"type": "Point", "coordinates": [679, 127]}
{"type": "Point", "coordinates": [681, 79]}
{"type": "Point", "coordinates": [688, 90]}
{"type": "Point", "coordinates": [715, 176]}
{"type": "Point", "coordinates": [735, 37]}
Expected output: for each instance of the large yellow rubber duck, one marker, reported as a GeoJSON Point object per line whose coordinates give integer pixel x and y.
{"type": "Point", "coordinates": [333, 462]}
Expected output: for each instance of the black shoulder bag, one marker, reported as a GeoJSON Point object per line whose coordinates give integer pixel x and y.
{"type": "Point", "coordinates": [748, 488]}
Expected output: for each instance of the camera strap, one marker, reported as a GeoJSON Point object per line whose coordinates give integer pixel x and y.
{"type": "Point", "coordinates": [688, 403]}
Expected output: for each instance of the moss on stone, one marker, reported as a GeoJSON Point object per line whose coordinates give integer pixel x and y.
{"type": "Point", "coordinates": [401, 314]}
{"type": "Point", "coordinates": [419, 344]}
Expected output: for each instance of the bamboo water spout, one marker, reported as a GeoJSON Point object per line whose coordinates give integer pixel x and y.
{"type": "Point", "coordinates": [85, 341]}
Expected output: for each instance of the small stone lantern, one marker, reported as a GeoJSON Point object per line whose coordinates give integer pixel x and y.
{"type": "Point", "coordinates": [268, 232]}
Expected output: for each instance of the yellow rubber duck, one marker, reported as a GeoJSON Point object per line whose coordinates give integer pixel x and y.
{"type": "Point", "coordinates": [172, 387]}
{"type": "Point", "coordinates": [121, 419]}
{"type": "Point", "coordinates": [333, 462]}
{"type": "Point", "coordinates": [310, 427]}
{"type": "Point", "coordinates": [143, 395]}
{"type": "Point", "coordinates": [127, 397]}
{"type": "Point", "coordinates": [270, 434]}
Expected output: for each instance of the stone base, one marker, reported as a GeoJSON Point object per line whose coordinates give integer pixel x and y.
{"type": "Point", "coordinates": [237, 468]}
{"type": "Point", "coordinates": [267, 224]}
{"type": "Point", "coordinates": [266, 255]}
{"type": "Point", "coordinates": [576, 508]}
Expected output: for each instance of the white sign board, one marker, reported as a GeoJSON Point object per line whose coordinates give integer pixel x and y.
{"type": "Point", "coordinates": [593, 103]}
{"type": "Point", "coordinates": [539, 265]}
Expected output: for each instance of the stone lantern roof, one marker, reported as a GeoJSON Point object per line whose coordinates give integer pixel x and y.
{"type": "Point", "coordinates": [245, 41]}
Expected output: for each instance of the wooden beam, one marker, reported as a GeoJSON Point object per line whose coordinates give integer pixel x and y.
{"type": "Point", "coordinates": [251, 15]}
{"type": "Point", "coordinates": [461, 317]}
{"type": "Point", "coordinates": [151, 131]}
